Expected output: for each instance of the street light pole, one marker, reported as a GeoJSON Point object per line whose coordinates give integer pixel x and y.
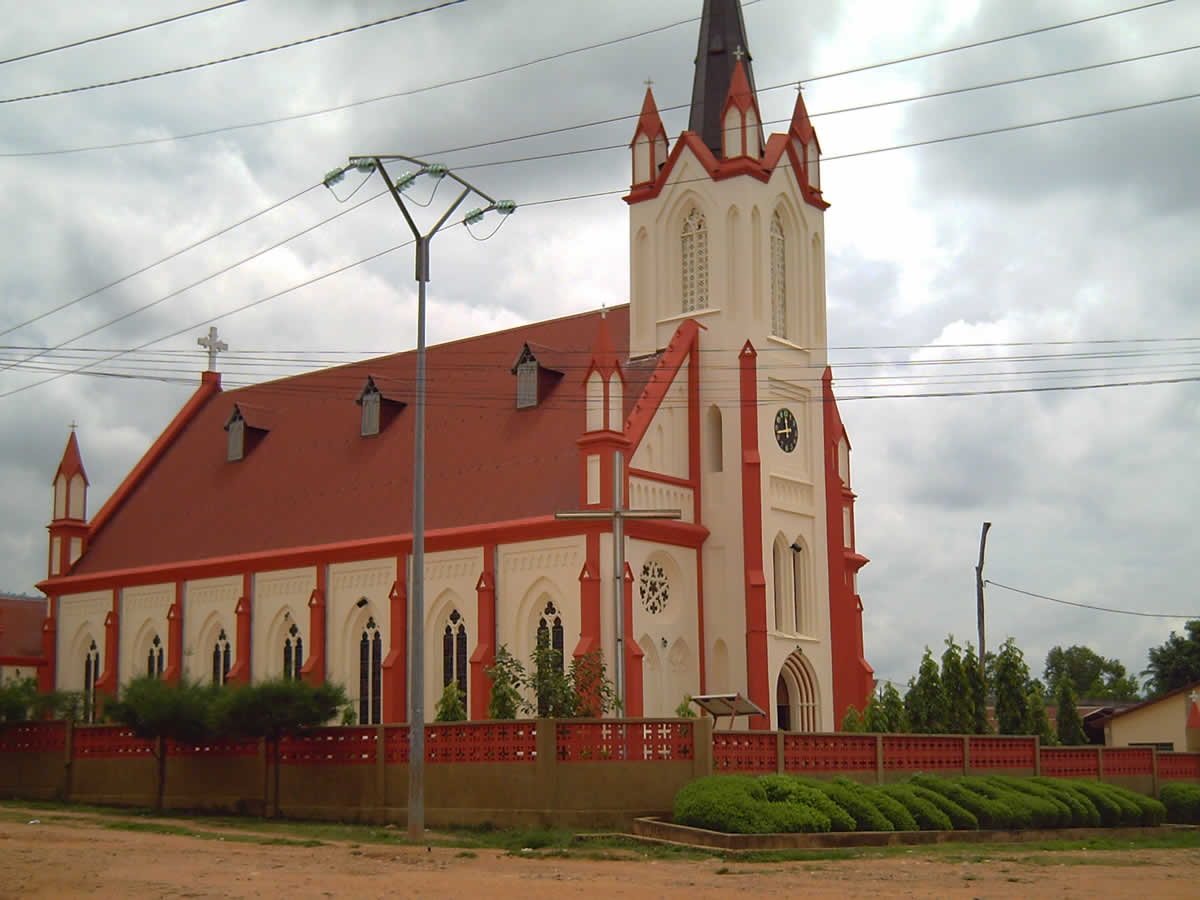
{"type": "Point", "coordinates": [416, 637]}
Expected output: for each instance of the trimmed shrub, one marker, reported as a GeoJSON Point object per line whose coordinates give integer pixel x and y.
{"type": "Point", "coordinates": [1182, 802]}
{"type": "Point", "coordinates": [892, 809]}
{"type": "Point", "coordinates": [927, 815]}
{"type": "Point", "coordinates": [1048, 810]}
{"type": "Point", "coordinates": [729, 803]}
{"type": "Point", "coordinates": [1151, 811]}
{"type": "Point", "coordinates": [1131, 812]}
{"type": "Point", "coordinates": [789, 817]}
{"type": "Point", "coordinates": [1083, 812]}
{"type": "Point", "coordinates": [1013, 812]}
{"type": "Point", "coordinates": [1109, 809]}
{"type": "Point", "coordinates": [988, 813]}
{"type": "Point", "coordinates": [961, 818]}
{"type": "Point", "coordinates": [866, 815]}
{"type": "Point", "coordinates": [795, 790]}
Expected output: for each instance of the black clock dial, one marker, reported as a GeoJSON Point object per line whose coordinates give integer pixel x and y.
{"type": "Point", "coordinates": [786, 433]}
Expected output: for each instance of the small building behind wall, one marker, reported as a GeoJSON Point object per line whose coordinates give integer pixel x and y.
{"type": "Point", "coordinates": [21, 620]}
{"type": "Point", "coordinates": [1170, 721]}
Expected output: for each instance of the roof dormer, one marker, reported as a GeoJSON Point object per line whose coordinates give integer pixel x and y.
{"type": "Point", "coordinates": [246, 426]}
{"type": "Point", "coordinates": [380, 401]}
{"type": "Point", "coordinates": [538, 370]}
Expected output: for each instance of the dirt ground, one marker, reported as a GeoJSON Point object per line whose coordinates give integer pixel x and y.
{"type": "Point", "coordinates": [80, 857]}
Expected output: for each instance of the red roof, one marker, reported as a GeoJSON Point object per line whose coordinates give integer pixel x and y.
{"type": "Point", "coordinates": [312, 479]}
{"type": "Point", "coordinates": [21, 625]}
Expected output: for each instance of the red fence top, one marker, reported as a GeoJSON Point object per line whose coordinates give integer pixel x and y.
{"type": "Point", "coordinates": [33, 737]}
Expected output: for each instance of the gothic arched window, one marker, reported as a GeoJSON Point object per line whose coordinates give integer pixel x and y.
{"type": "Point", "coordinates": [454, 652]}
{"type": "Point", "coordinates": [370, 675]}
{"type": "Point", "coordinates": [779, 323]}
{"type": "Point", "coordinates": [91, 673]}
{"type": "Point", "coordinates": [293, 653]}
{"type": "Point", "coordinates": [693, 241]}
{"type": "Point", "coordinates": [154, 659]}
{"type": "Point", "coordinates": [221, 658]}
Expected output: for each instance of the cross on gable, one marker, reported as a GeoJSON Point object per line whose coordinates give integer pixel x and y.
{"type": "Point", "coordinates": [649, 82]}
{"type": "Point", "coordinates": [739, 53]}
{"type": "Point", "coordinates": [213, 346]}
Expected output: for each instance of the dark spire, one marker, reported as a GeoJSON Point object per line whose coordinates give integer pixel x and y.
{"type": "Point", "coordinates": [722, 40]}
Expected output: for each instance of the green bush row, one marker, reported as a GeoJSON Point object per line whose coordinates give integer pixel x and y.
{"type": "Point", "coordinates": [741, 804]}
{"type": "Point", "coordinates": [1182, 802]}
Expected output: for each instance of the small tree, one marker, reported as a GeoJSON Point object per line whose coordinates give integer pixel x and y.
{"type": "Point", "coordinates": [876, 717]}
{"type": "Point", "coordinates": [450, 708]}
{"type": "Point", "coordinates": [1010, 675]}
{"type": "Point", "coordinates": [684, 709]}
{"type": "Point", "coordinates": [1070, 726]}
{"type": "Point", "coordinates": [272, 709]}
{"type": "Point", "coordinates": [21, 702]}
{"type": "Point", "coordinates": [1039, 722]}
{"type": "Point", "coordinates": [893, 709]}
{"type": "Point", "coordinates": [549, 684]}
{"type": "Point", "coordinates": [925, 702]}
{"type": "Point", "coordinates": [159, 711]}
{"type": "Point", "coordinates": [592, 694]}
{"type": "Point", "coordinates": [977, 686]}
{"type": "Point", "coordinates": [852, 721]}
{"type": "Point", "coordinates": [506, 675]}
{"type": "Point", "coordinates": [956, 688]}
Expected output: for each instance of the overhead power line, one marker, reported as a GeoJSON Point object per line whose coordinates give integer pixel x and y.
{"type": "Point", "coordinates": [239, 56]}
{"type": "Point", "coordinates": [1107, 609]}
{"type": "Point", "coordinates": [514, 67]}
{"type": "Point", "coordinates": [123, 31]}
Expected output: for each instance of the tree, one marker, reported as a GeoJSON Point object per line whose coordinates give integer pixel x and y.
{"type": "Point", "coordinates": [956, 688]}
{"type": "Point", "coordinates": [853, 721]}
{"type": "Point", "coordinates": [977, 686]}
{"type": "Point", "coordinates": [450, 707]}
{"type": "Point", "coordinates": [1039, 722]}
{"type": "Point", "coordinates": [1070, 726]}
{"type": "Point", "coordinates": [549, 684]}
{"type": "Point", "coordinates": [925, 703]}
{"type": "Point", "coordinates": [1011, 676]}
{"type": "Point", "coordinates": [1090, 674]}
{"type": "Point", "coordinates": [272, 709]}
{"type": "Point", "coordinates": [21, 702]}
{"type": "Point", "coordinates": [876, 718]}
{"type": "Point", "coordinates": [506, 675]}
{"type": "Point", "coordinates": [593, 693]}
{"type": "Point", "coordinates": [1176, 662]}
{"type": "Point", "coordinates": [892, 708]}
{"type": "Point", "coordinates": [159, 711]}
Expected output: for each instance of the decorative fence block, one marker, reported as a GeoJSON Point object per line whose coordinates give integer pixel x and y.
{"type": "Point", "coordinates": [214, 748]}
{"type": "Point", "coordinates": [1128, 761]}
{"type": "Point", "coordinates": [1179, 765]}
{"type": "Point", "coordinates": [828, 752]}
{"type": "Point", "coordinates": [744, 751]}
{"type": "Point", "coordinates": [922, 752]}
{"type": "Point", "coordinates": [661, 741]}
{"type": "Point", "coordinates": [395, 744]}
{"type": "Point", "coordinates": [329, 746]}
{"type": "Point", "coordinates": [1003, 752]}
{"type": "Point", "coordinates": [108, 742]}
{"type": "Point", "coordinates": [1078, 762]}
{"type": "Point", "coordinates": [466, 742]}
{"type": "Point", "coordinates": [34, 737]}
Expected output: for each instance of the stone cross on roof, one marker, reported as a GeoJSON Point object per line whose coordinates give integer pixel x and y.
{"type": "Point", "coordinates": [213, 346]}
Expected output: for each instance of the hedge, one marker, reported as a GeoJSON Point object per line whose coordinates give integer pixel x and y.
{"type": "Point", "coordinates": [961, 819]}
{"type": "Point", "coordinates": [1182, 803]}
{"type": "Point", "coordinates": [928, 815]}
{"type": "Point", "coordinates": [891, 808]}
{"type": "Point", "coordinates": [792, 789]}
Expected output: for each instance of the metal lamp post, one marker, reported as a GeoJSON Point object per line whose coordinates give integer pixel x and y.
{"type": "Point", "coordinates": [416, 642]}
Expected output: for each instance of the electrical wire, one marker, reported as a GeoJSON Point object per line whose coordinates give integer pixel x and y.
{"type": "Point", "coordinates": [123, 31]}
{"type": "Point", "coordinates": [1107, 609]}
{"type": "Point", "coordinates": [216, 62]}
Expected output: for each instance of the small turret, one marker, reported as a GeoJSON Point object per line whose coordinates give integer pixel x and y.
{"type": "Point", "coordinates": [741, 122]}
{"type": "Point", "coordinates": [649, 144]}
{"type": "Point", "coordinates": [68, 527]}
{"type": "Point", "coordinates": [806, 147]}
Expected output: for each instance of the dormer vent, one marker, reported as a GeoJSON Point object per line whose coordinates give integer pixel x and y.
{"type": "Point", "coordinates": [380, 400]}
{"type": "Point", "coordinates": [538, 370]}
{"type": "Point", "coordinates": [245, 427]}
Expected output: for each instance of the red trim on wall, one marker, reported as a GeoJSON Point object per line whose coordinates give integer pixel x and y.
{"type": "Point", "coordinates": [633, 655]}
{"type": "Point", "coordinates": [589, 599]}
{"type": "Point", "coordinates": [210, 384]}
{"type": "Point", "coordinates": [313, 670]}
{"type": "Point", "coordinates": [757, 679]}
{"type": "Point", "coordinates": [395, 667]}
{"type": "Point", "coordinates": [243, 614]}
{"type": "Point", "coordinates": [485, 650]}
{"type": "Point", "coordinates": [175, 638]}
{"type": "Point", "coordinates": [673, 357]}
{"type": "Point", "coordinates": [108, 682]}
{"type": "Point", "coordinates": [48, 675]}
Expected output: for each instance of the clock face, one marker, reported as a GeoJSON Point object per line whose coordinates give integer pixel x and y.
{"type": "Point", "coordinates": [786, 433]}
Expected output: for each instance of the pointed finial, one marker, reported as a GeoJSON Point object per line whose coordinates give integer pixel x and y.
{"type": "Point", "coordinates": [73, 425]}
{"type": "Point", "coordinates": [739, 53]}
{"type": "Point", "coordinates": [800, 86]}
{"type": "Point", "coordinates": [649, 82]}
{"type": "Point", "coordinates": [603, 310]}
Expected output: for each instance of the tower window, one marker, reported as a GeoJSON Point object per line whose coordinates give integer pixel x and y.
{"type": "Point", "coordinates": [779, 323]}
{"type": "Point", "coordinates": [694, 247]}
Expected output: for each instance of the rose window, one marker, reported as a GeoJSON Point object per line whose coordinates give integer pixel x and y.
{"type": "Point", "coordinates": [654, 587]}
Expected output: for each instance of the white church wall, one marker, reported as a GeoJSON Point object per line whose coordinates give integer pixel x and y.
{"type": "Point", "coordinates": [208, 605]}
{"type": "Point", "coordinates": [280, 600]}
{"type": "Point", "coordinates": [665, 613]}
{"type": "Point", "coordinates": [664, 447]}
{"type": "Point", "coordinates": [450, 579]}
{"type": "Point", "coordinates": [349, 585]}
{"type": "Point", "coordinates": [143, 616]}
{"type": "Point", "coordinates": [80, 621]}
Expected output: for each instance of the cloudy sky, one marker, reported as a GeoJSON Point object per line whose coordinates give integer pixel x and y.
{"type": "Point", "coordinates": [1016, 254]}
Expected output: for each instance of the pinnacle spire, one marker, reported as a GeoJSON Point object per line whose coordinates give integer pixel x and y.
{"type": "Point", "coordinates": [722, 45]}
{"type": "Point", "coordinates": [72, 460]}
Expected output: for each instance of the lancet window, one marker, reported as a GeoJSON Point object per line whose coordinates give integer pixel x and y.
{"type": "Point", "coordinates": [221, 659]}
{"type": "Point", "coordinates": [454, 652]}
{"type": "Point", "coordinates": [293, 653]}
{"type": "Point", "coordinates": [694, 258]}
{"type": "Point", "coordinates": [370, 675]}
{"type": "Point", "coordinates": [154, 658]}
{"type": "Point", "coordinates": [779, 323]}
{"type": "Point", "coordinates": [91, 674]}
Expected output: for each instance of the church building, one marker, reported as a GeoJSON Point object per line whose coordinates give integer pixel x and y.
{"type": "Point", "coordinates": [268, 530]}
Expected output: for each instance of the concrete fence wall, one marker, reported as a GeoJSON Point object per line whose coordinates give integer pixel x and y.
{"type": "Point", "coordinates": [569, 773]}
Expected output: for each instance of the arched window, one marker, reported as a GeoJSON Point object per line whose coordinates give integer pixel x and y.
{"type": "Point", "coordinates": [91, 673]}
{"type": "Point", "coordinates": [799, 594]}
{"type": "Point", "coordinates": [550, 631]}
{"type": "Point", "coordinates": [154, 659]}
{"type": "Point", "coordinates": [694, 247]}
{"type": "Point", "coordinates": [293, 653]}
{"type": "Point", "coordinates": [716, 442]}
{"type": "Point", "coordinates": [454, 652]}
{"type": "Point", "coordinates": [370, 675]}
{"type": "Point", "coordinates": [781, 571]}
{"type": "Point", "coordinates": [221, 658]}
{"type": "Point", "coordinates": [779, 323]}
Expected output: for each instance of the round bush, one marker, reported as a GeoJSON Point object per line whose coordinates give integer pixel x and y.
{"type": "Point", "coordinates": [797, 790]}
{"type": "Point", "coordinates": [928, 816]}
{"type": "Point", "coordinates": [1182, 802]}
{"type": "Point", "coordinates": [722, 803]}
{"type": "Point", "coordinates": [961, 819]}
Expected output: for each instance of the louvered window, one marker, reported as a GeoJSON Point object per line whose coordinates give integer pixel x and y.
{"type": "Point", "coordinates": [694, 249]}
{"type": "Point", "coordinates": [527, 384]}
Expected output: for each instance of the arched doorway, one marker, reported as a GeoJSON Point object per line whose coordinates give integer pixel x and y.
{"type": "Point", "coordinates": [797, 706]}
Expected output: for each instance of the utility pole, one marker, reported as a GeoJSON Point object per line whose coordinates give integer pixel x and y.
{"type": "Point", "coordinates": [416, 614]}
{"type": "Point", "coordinates": [979, 602]}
